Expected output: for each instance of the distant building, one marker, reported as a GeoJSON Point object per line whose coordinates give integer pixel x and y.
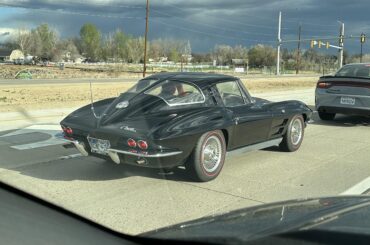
{"type": "Point", "coordinates": [239, 62]}
{"type": "Point", "coordinates": [240, 65]}
{"type": "Point", "coordinates": [5, 55]}
{"type": "Point", "coordinates": [16, 54]}
{"type": "Point", "coordinates": [11, 55]}
{"type": "Point", "coordinates": [163, 59]}
{"type": "Point", "coordinates": [79, 60]}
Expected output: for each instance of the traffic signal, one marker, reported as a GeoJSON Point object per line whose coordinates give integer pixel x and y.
{"type": "Point", "coordinates": [319, 44]}
{"type": "Point", "coordinates": [327, 45]}
{"type": "Point", "coordinates": [312, 43]}
{"type": "Point", "coordinates": [362, 38]}
{"type": "Point", "coordinates": [341, 37]}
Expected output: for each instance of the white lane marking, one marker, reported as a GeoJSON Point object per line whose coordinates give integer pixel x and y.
{"type": "Point", "coordinates": [359, 188]}
{"type": "Point", "coordinates": [70, 156]}
{"type": "Point", "coordinates": [51, 130]}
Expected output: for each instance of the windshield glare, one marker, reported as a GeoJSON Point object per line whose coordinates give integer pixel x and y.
{"type": "Point", "coordinates": [139, 115]}
{"type": "Point", "coordinates": [141, 85]}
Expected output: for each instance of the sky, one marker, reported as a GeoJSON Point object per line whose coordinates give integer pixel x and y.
{"type": "Point", "coordinates": [204, 23]}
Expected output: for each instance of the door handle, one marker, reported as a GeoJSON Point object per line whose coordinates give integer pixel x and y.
{"type": "Point", "coordinates": [236, 120]}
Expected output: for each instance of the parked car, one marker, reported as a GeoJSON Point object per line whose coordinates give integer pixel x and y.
{"type": "Point", "coordinates": [191, 119]}
{"type": "Point", "coordinates": [346, 92]}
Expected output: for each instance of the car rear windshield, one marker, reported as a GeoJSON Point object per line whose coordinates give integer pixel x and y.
{"type": "Point", "coordinates": [354, 71]}
{"type": "Point", "coordinates": [177, 93]}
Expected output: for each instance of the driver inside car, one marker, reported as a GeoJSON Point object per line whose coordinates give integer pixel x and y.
{"type": "Point", "coordinates": [168, 90]}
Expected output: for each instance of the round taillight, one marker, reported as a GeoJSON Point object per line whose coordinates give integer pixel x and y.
{"type": "Point", "coordinates": [131, 143]}
{"type": "Point", "coordinates": [67, 130]}
{"type": "Point", "coordinates": [142, 144]}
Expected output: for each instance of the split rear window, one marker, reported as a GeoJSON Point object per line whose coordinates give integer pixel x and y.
{"type": "Point", "coordinates": [177, 93]}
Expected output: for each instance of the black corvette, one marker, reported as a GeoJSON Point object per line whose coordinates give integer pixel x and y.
{"type": "Point", "coordinates": [191, 119]}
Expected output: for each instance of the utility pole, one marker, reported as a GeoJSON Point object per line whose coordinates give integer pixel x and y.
{"type": "Point", "coordinates": [362, 40]}
{"type": "Point", "coordinates": [341, 44]}
{"type": "Point", "coordinates": [298, 49]}
{"type": "Point", "coordinates": [146, 35]}
{"type": "Point", "coordinates": [278, 46]}
{"type": "Point", "coordinates": [182, 62]}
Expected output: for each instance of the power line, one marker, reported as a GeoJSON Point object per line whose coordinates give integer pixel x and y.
{"type": "Point", "coordinates": [74, 2]}
{"type": "Point", "coordinates": [211, 34]}
{"type": "Point", "coordinates": [263, 18]}
{"type": "Point", "coordinates": [62, 11]}
{"type": "Point", "coordinates": [308, 23]}
{"type": "Point", "coordinates": [102, 4]}
{"type": "Point", "coordinates": [227, 20]}
{"type": "Point", "coordinates": [212, 26]}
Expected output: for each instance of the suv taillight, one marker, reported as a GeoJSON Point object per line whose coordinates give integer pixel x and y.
{"type": "Point", "coordinates": [323, 85]}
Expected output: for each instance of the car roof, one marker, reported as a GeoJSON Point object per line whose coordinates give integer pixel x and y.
{"type": "Point", "coordinates": [201, 79]}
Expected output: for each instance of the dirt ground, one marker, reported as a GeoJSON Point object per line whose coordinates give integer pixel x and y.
{"type": "Point", "coordinates": [9, 71]}
{"type": "Point", "coordinates": [34, 97]}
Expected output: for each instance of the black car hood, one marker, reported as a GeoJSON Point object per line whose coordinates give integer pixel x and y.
{"type": "Point", "coordinates": [345, 214]}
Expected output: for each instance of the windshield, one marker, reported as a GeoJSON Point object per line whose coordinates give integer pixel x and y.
{"type": "Point", "coordinates": [139, 115]}
{"type": "Point", "coordinates": [361, 70]}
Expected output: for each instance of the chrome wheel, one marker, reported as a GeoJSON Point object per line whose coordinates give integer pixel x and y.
{"type": "Point", "coordinates": [296, 131]}
{"type": "Point", "coordinates": [211, 154]}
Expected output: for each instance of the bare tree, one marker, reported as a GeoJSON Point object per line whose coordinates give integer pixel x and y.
{"type": "Point", "coordinates": [135, 49]}
{"type": "Point", "coordinates": [65, 50]}
{"type": "Point", "coordinates": [23, 40]}
{"type": "Point", "coordinates": [107, 50]}
{"type": "Point", "coordinates": [223, 54]}
{"type": "Point", "coordinates": [120, 40]}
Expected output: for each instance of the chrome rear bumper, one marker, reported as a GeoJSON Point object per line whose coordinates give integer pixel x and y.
{"type": "Point", "coordinates": [113, 153]}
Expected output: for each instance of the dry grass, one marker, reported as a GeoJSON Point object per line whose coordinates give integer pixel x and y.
{"type": "Point", "coordinates": [31, 97]}
{"type": "Point", "coordinates": [257, 85]}
{"type": "Point", "coordinates": [82, 71]}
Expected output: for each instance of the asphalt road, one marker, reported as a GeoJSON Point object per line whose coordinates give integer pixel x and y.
{"type": "Point", "coordinates": [334, 158]}
{"type": "Point", "coordinates": [134, 78]}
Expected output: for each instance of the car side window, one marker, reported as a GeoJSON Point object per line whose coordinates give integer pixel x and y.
{"type": "Point", "coordinates": [230, 93]}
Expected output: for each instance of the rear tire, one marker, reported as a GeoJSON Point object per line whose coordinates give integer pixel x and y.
{"type": "Point", "coordinates": [293, 137]}
{"type": "Point", "coordinates": [208, 157]}
{"type": "Point", "coordinates": [326, 116]}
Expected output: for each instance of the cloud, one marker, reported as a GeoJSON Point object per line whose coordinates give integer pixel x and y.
{"type": "Point", "coordinates": [205, 23]}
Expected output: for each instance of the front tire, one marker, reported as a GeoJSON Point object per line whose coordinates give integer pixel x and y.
{"type": "Point", "coordinates": [293, 138]}
{"type": "Point", "coordinates": [208, 157]}
{"type": "Point", "coordinates": [326, 116]}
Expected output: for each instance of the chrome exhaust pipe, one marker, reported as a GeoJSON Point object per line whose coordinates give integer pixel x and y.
{"type": "Point", "coordinates": [81, 148]}
{"type": "Point", "coordinates": [114, 156]}
{"type": "Point", "coordinates": [141, 161]}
